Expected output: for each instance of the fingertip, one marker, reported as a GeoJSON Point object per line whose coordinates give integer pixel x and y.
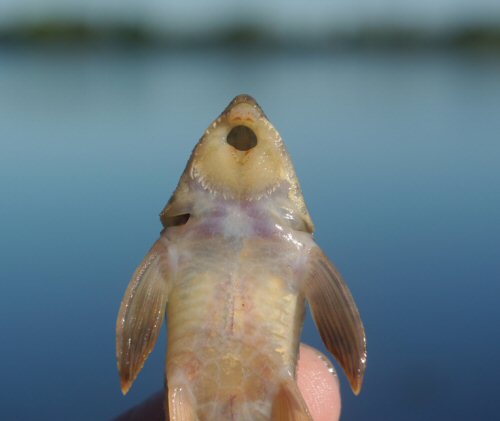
{"type": "Point", "coordinates": [319, 384]}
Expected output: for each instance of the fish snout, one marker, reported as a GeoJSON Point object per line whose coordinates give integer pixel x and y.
{"type": "Point", "coordinates": [244, 111]}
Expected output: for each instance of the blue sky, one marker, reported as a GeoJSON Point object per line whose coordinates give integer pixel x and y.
{"type": "Point", "coordinates": [282, 14]}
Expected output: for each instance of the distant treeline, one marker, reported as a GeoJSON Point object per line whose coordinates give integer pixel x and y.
{"type": "Point", "coordinates": [486, 38]}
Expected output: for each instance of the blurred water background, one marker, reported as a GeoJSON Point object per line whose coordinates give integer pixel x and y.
{"type": "Point", "coordinates": [393, 122]}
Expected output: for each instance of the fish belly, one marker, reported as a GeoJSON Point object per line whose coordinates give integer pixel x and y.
{"type": "Point", "coordinates": [233, 336]}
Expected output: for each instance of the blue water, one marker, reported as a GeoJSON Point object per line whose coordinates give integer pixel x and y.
{"type": "Point", "coordinates": [399, 160]}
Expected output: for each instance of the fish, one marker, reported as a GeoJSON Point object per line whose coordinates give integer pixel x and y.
{"type": "Point", "coordinates": [232, 271]}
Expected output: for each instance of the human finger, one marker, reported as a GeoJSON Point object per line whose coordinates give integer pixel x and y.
{"type": "Point", "coordinates": [319, 384]}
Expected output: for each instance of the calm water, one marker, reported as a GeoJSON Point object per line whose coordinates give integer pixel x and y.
{"type": "Point", "coordinates": [399, 161]}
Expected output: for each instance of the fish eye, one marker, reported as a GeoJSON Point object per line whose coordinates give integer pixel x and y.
{"type": "Point", "coordinates": [242, 138]}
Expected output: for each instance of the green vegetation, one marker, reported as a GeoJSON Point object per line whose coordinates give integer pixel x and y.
{"type": "Point", "coordinates": [74, 33]}
{"type": "Point", "coordinates": [249, 35]}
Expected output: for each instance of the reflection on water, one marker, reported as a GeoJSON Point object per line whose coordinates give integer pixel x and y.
{"type": "Point", "coordinates": [398, 159]}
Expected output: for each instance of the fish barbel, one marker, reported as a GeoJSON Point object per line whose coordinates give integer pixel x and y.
{"type": "Point", "coordinates": [232, 270]}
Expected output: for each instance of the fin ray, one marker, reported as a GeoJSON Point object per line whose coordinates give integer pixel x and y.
{"type": "Point", "coordinates": [181, 405]}
{"type": "Point", "coordinates": [289, 405]}
{"type": "Point", "coordinates": [337, 317]}
{"type": "Point", "coordinates": [141, 314]}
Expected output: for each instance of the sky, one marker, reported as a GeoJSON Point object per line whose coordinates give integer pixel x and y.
{"type": "Point", "coordinates": [281, 14]}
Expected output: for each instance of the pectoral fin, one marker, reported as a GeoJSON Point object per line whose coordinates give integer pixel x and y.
{"type": "Point", "coordinates": [141, 314]}
{"type": "Point", "coordinates": [336, 317]}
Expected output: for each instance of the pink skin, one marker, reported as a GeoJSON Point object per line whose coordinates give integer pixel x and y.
{"type": "Point", "coordinates": [319, 387]}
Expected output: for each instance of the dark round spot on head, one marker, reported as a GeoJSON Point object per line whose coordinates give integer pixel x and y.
{"type": "Point", "coordinates": [242, 138]}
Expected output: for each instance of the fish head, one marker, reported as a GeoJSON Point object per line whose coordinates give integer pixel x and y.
{"type": "Point", "coordinates": [241, 156]}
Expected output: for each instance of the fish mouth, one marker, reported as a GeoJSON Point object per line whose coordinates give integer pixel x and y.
{"type": "Point", "coordinates": [242, 138]}
{"type": "Point", "coordinates": [241, 114]}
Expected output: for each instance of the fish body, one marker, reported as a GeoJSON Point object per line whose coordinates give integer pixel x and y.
{"type": "Point", "coordinates": [232, 270]}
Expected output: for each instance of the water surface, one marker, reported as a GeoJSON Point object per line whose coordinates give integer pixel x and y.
{"type": "Point", "coordinates": [398, 156]}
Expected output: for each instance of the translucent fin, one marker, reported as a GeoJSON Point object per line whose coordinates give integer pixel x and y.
{"type": "Point", "coordinates": [289, 404]}
{"type": "Point", "coordinates": [141, 314]}
{"type": "Point", "coordinates": [337, 317]}
{"type": "Point", "coordinates": [181, 406]}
